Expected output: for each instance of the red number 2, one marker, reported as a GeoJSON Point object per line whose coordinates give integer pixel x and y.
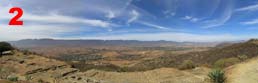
{"type": "Point", "coordinates": [15, 20]}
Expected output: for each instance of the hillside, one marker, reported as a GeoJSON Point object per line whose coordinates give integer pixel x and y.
{"type": "Point", "coordinates": [107, 54]}
{"type": "Point", "coordinates": [31, 68]}
{"type": "Point", "coordinates": [122, 57]}
{"type": "Point", "coordinates": [207, 58]}
{"type": "Point", "coordinates": [162, 75]}
{"type": "Point", "coordinates": [246, 72]}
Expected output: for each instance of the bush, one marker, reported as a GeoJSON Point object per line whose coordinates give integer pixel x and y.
{"type": "Point", "coordinates": [40, 81]}
{"type": "Point", "coordinates": [242, 57]}
{"type": "Point", "coordinates": [5, 72]}
{"type": "Point", "coordinates": [12, 78]}
{"type": "Point", "coordinates": [221, 63]}
{"type": "Point", "coordinates": [187, 64]}
{"type": "Point", "coordinates": [4, 46]}
{"type": "Point", "coordinates": [27, 77]}
{"type": "Point", "coordinates": [217, 76]}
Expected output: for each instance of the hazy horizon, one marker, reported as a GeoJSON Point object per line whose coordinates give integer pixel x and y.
{"type": "Point", "coordinates": [39, 39]}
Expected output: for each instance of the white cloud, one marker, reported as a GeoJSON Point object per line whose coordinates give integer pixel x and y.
{"type": "Point", "coordinates": [169, 13]}
{"type": "Point", "coordinates": [251, 22]}
{"type": "Point", "coordinates": [135, 16]}
{"type": "Point", "coordinates": [49, 25]}
{"type": "Point", "coordinates": [110, 15]}
{"type": "Point", "coordinates": [190, 18]}
{"type": "Point", "coordinates": [248, 8]}
{"type": "Point", "coordinates": [55, 18]}
{"type": "Point", "coordinates": [187, 17]}
{"type": "Point", "coordinates": [34, 31]}
{"type": "Point", "coordinates": [153, 25]}
{"type": "Point", "coordinates": [224, 17]}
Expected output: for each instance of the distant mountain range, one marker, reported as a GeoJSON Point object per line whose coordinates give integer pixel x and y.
{"type": "Point", "coordinates": [94, 43]}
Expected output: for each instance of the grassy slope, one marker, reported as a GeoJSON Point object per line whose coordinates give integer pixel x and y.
{"type": "Point", "coordinates": [246, 72]}
{"type": "Point", "coordinates": [202, 58]}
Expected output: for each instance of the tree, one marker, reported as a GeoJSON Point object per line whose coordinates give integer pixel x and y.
{"type": "Point", "coordinates": [4, 46]}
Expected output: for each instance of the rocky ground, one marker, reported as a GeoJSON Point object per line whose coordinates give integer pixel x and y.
{"type": "Point", "coordinates": [36, 69]}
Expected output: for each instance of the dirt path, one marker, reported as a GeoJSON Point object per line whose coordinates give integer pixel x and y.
{"type": "Point", "coordinates": [246, 72]}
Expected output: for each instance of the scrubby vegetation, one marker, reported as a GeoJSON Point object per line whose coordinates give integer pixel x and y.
{"type": "Point", "coordinates": [5, 72]}
{"type": "Point", "coordinates": [40, 81]}
{"type": "Point", "coordinates": [130, 57]}
{"type": "Point", "coordinates": [217, 76]}
{"type": "Point", "coordinates": [148, 58]}
{"type": "Point", "coordinates": [13, 78]}
{"type": "Point", "coordinates": [106, 67]}
{"type": "Point", "coordinates": [187, 64]}
{"type": "Point", "coordinates": [82, 66]}
{"type": "Point", "coordinates": [27, 77]}
{"type": "Point", "coordinates": [221, 63]}
{"type": "Point", "coordinates": [216, 57]}
{"type": "Point", "coordinates": [79, 57]}
{"type": "Point", "coordinates": [242, 57]}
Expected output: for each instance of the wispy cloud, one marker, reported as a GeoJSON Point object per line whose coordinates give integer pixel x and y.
{"type": "Point", "coordinates": [190, 18]}
{"type": "Point", "coordinates": [66, 19]}
{"type": "Point", "coordinates": [34, 31]}
{"type": "Point", "coordinates": [248, 8]}
{"type": "Point", "coordinates": [54, 17]}
{"type": "Point", "coordinates": [110, 15]}
{"type": "Point", "coordinates": [135, 15]}
{"type": "Point", "coordinates": [224, 17]}
{"type": "Point", "coordinates": [169, 13]}
{"type": "Point", "coordinates": [48, 25]}
{"type": "Point", "coordinates": [251, 22]}
{"type": "Point", "coordinates": [153, 25]}
{"type": "Point", "coordinates": [187, 17]}
{"type": "Point", "coordinates": [43, 18]}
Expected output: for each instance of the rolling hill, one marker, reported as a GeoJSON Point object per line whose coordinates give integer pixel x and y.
{"type": "Point", "coordinates": [207, 58]}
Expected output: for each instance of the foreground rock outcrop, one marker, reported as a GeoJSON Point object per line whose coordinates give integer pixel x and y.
{"type": "Point", "coordinates": [37, 69]}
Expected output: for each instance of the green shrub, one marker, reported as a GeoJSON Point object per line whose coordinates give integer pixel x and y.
{"type": "Point", "coordinates": [242, 57]}
{"type": "Point", "coordinates": [27, 77]}
{"type": "Point", "coordinates": [5, 72]}
{"type": "Point", "coordinates": [221, 63]}
{"type": "Point", "coordinates": [12, 78]}
{"type": "Point", "coordinates": [217, 76]}
{"type": "Point", "coordinates": [187, 64]}
{"type": "Point", "coordinates": [40, 81]}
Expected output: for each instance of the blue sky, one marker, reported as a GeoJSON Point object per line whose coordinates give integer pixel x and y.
{"type": "Point", "coordinates": [173, 20]}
